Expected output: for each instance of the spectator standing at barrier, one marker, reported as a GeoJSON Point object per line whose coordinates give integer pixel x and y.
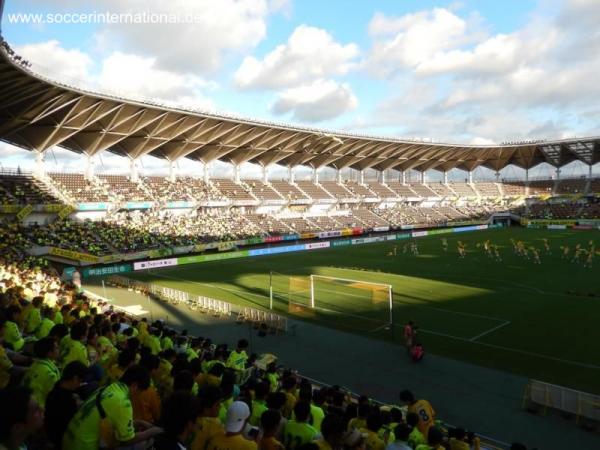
{"type": "Point", "coordinates": [422, 408]}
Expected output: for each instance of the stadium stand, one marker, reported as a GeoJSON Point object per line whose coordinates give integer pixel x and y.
{"type": "Point", "coordinates": [463, 189]}
{"type": "Point", "coordinates": [337, 190]}
{"type": "Point", "coordinates": [572, 186]}
{"type": "Point", "coordinates": [422, 190]}
{"type": "Point", "coordinates": [288, 191]}
{"type": "Point", "coordinates": [263, 191]}
{"type": "Point", "coordinates": [441, 189]}
{"type": "Point", "coordinates": [24, 189]}
{"type": "Point", "coordinates": [314, 191]}
{"type": "Point", "coordinates": [359, 190]}
{"type": "Point", "coordinates": [402, 190]}
{"type": "Point", "coordinates": [381, 190]}
{"type": "Point", "coordinates": [234, 191]}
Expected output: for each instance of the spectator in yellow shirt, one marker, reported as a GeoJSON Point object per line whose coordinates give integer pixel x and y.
{"type": "Point", "coordinates": [236, 418]}
{"type": "Point", "coordinates": [207, 424]}
{"type": "Point", "coordinates": [421, 408]}
{"type": "Point", "coordinates": [371, 432]}
{"type": "Point", "coordinates": [269, 423]}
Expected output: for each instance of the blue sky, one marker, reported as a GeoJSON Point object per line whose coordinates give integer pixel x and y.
{"type": "Point", "coordinates": [455, 71]}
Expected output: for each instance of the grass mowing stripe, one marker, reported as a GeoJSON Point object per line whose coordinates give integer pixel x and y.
{"type": "Point", "coordinates": [523, 352]}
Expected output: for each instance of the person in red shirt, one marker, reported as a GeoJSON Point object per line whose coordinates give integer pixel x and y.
{"type": "Point", "coordinates": [409, 335]}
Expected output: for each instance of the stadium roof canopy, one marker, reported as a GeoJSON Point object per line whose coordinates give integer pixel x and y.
{"type": "Point", "coordinates": [37, 113]}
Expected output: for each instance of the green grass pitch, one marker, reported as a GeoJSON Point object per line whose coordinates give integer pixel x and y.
{"type": "Point", "coordinates": [541, 321]}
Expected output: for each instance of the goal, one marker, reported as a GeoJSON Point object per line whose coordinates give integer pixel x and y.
{"type": "Point", "coordinates": [366, 305]}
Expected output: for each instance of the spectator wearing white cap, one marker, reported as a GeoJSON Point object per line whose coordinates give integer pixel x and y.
{"type": "Point", "coordinates": [235, 422]}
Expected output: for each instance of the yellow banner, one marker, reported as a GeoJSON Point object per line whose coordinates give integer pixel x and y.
{"type": "Point", "coordinates": [64, 212]}
{"type": "Point", "coordinates": [199, 248]}
{"type": "Point", "coordinates": [224, 246]}
{"type": "Point", "coordinates": [24, 212]}
{"type": "Point", "coordinates": [347, 232]}
{"type": "Point", "coordinates": [75, 256]}
{"type": "Point", "coordinates": [9, 209]}
{"type": "Point", "coordinates": [308, 235]}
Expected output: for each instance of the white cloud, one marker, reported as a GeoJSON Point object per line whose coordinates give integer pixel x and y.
{"type": "Point", "coordinates": [53, 60]}
{"type": "Point", "coordinates": [410, 40]}
{"type": "Point", "coordinates": [309, 54]}
{"type": "Point", "coordinates": [136, 75]}
{"type": "Point", "coordinates": [127, 75]}
{"type": "Point", "coordinates": [320, 100]}
{"type": "Point", "coordinates": [217, 28]}
{"type": "Point", "coordinates": [538, 81]}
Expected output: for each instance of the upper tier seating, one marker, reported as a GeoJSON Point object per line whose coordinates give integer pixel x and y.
{"type": "Point", "coordinates": [80, 189]}
{"type": "Point", "coordinates": [337, 190]}
{"type": "Point", "coordinates": [401, 190]}
{"type": "Point", "coordinates": [359, 190]}
{"type": "Point", "coordinates": [441, 189]}
{"type": "Point", "coordinates": [22, 189]}
{"type": "Point", "coordinates": [232, 190]}
{"type": "Point", "coordinates": [314, 191]}
{"type": "Point", "coordinates": [262, 191]}
{"type": "Point", "coordinates": [126, 189]}
{"type": "Point", "coordinates": [488, 189]}
{"type": "Point", "coordinates": [422, 190]}
{"type": "Point", "coordinates": [513, 188]}
{"type": "Point", "coordinates": [463, 189]}
{"type": "Point", "coordinates": [288, 191]}
{"type": "Point", "coordinates": [572, 186]}
{"type": "Point", "coordinates": [541, 187]}
{"type": "Point", "coordinates": [381, 190]}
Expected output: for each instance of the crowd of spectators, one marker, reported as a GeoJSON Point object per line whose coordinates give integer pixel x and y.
{"type": "Point", "coordinates": [76, 374]}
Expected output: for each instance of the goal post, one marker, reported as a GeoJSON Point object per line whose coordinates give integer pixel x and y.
{"type": "Point", "coordinates": [359, 304]}
{"type": "Point", "coordinates": [380, 293]}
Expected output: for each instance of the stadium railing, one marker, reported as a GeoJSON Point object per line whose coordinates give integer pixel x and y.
{"type": "Point", "coordinates": [487, 443]}
{"type": "Point", "coordinates": [581, 404]}
{"type": "Point", "coordinates": [273, 322]}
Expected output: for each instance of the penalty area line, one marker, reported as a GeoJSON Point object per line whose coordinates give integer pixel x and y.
{"type": "Point", "coordinates": [473, 339]}
{"type": "Point", "coordinates": [499, 347]}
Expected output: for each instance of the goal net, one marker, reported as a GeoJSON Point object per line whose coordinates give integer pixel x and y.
{"type": "Point", "coordinates": [358, 304]}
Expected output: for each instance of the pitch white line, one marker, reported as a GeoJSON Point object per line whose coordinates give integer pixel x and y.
{"type": "Point", "coordinates": [473, 339]}
{"type": "Point", "coordinates": [500, 347]}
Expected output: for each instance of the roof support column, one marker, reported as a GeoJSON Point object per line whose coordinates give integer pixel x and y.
{"type": "Point", "coordinates": [172, 174]}
{"type": "Point", "coordinates": [89, 167]}
{"type": "Point", "coordinates": [134, 175]}
{"type": "Point", "coordinates": [557, 174]}
{"type": "Point", "coordinates": [423, 177]}
{"type": "Point", "coordinates": [291, 178]}
{"type": "Point", "coordinates": [497, 176]}
{"type": "Point", "coordinates": [527, 177]}
{"type": "Point", "coordinates": [403, 177]}
{"type": "Point", "coordinates": [265, 176]}
{"type": "Point", "coordinates": [362, 177]}
{"type": "Point", "coordinates": [315, 175]}
{"type": "Point", "coordinates": [382, 176]}
{"type": "Point", "coordinates": [590, 171]}
{"type": "Point", "coordinates": [470, 176]}
{"type": "Point", "coordinates": [338, 175]}
{"type": "Point", "coordinates": [40, 169]}
{"type": "Point", "coordinates": [206, 170]}
{"type": "Point", "coordinates": [445, 177]}
{"type": "Point", "coordinates": [236, 173]}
